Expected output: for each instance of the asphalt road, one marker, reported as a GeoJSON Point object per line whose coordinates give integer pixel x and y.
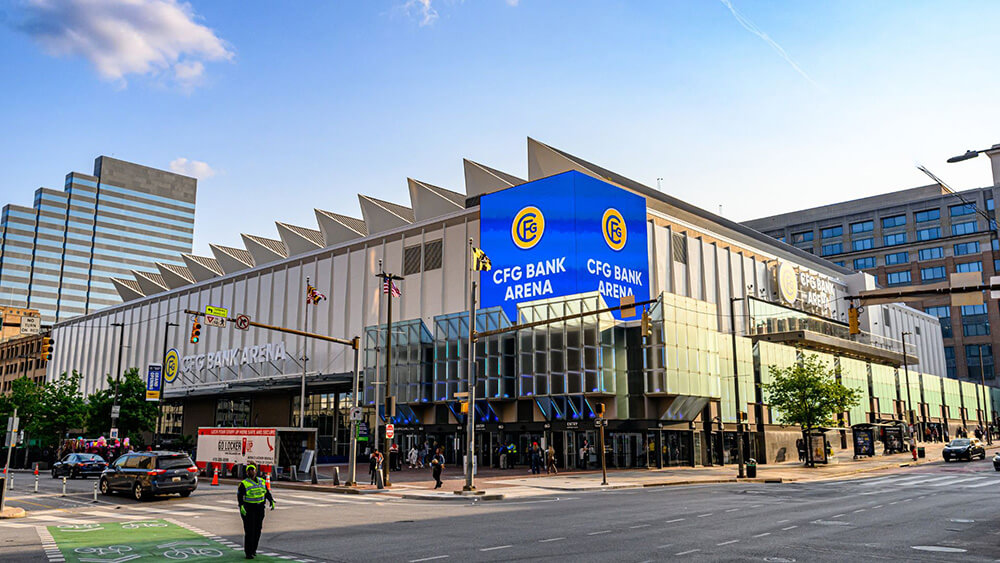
{"type": "Point", "coordinates": [929, 513]}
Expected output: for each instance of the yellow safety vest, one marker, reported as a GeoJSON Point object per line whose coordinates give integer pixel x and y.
{"type": "Point", "coordinates": [254, 491]}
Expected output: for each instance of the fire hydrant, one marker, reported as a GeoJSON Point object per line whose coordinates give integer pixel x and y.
{"type": "Point", "coordinates": [913, 451]}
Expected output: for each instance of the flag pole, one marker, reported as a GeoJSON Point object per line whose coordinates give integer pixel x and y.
{"type": "Point", "coordinates": [470, 417]}
{"type": "Point", "coordinates": [305, 358]}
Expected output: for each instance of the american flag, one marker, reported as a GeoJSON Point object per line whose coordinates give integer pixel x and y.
{"type": "Point", "coordinates": [390, 288]}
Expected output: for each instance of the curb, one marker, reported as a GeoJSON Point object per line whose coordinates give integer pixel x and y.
{"type": "Point", "coordinates": [453, 498]}
{"type": "Point", "coordinates": [12, 512]}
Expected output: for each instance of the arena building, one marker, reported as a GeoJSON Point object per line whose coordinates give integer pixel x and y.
{"type": "Point", "coordinates": [573, 237]}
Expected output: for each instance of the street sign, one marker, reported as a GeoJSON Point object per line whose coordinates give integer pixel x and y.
{"type": "Point", "coordinates": [31, 325]}
{"type": "Point", "coordinates": [357, 413]}
{"type": "Point", "coordinates": [461, 394]}
{"type": "Point", "coordinates": [212, 320]}
{"type": "Point", "coordinates": [12, 424]}
{"type": "Point", "coordinates": [217, 312]}
{"type": "Point", "coordinates": [115, 411]}
{"type": "Point", "coordinates": [242, 322]}
{"type": "Point", "coordinates": [171, 365]}
{"type": "Point", "coordinates": [390, 431]}
{"type": "Point", "coordinates": [628, 312]}
{"type": "Point", "coordinates": [114, 433]}
{"type": "Point", "coordinates": [154, 377]}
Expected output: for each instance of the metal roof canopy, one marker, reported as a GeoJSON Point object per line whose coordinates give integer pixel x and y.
{"type": "Point", "coordinates": [832, 344]}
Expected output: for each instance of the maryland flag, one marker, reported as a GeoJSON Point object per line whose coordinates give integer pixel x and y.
{"type": "Point", "coordinates": [312, 295]}
{"type": "Point", "coordinates": [480, 261]}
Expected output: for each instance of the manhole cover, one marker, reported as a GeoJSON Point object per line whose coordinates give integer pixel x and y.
{"type": "Point", "coordinates": [938, 548]}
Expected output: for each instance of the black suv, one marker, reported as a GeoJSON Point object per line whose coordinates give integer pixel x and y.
{"type": "Point", "coordinates": [79, 465]}
{"type": "Point", "coordinates": [144, 474]}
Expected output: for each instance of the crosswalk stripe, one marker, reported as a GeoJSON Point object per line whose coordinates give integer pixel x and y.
{"type": "Point", "coordinates": [897, 480]}
{"type": "Point", "coordinates": [333, 499]}
{"type": "Point", "coordinates": [956, 481]}
{"type": "Point", "coordinates": [990, 482]}
{"type": "Point", "coordinates": [932, 480]}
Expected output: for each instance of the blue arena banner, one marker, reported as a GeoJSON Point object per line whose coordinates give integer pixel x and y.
{"type": "Point", "coordinates": [563, 235]}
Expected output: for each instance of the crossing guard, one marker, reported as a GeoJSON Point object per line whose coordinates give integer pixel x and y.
{"type": "Point", "coordinates": [251, 496]}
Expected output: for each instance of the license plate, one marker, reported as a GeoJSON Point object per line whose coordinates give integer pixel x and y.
{"type": "Point", "coordinates": [176, 479]}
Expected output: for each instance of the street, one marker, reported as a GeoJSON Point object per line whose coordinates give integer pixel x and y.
{"type": "Point", "coordinates": [934, 512]}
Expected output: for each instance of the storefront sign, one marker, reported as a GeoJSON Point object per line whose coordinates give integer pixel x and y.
{"type": "Point", "coordinates": [235, 357]}
{"type": "Point", "coordinates": [237, 445]}
{"type": "Point", "coordinates": [563, 235]}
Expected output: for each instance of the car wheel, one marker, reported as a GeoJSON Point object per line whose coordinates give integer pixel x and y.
{"type": "Point", "coordinates": [105, 488]}
{"type": "Point", "coordinates": [185, 494]}
{"type": "Point", "coordinates": [138, 493]}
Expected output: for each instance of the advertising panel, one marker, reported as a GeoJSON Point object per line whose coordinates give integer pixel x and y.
{"type": "Point", "coordinates": [153, 382]}
{"type": "Point", "coordinates": [237, 446]}
{"type": "Point", "coordinates": [563, 235]}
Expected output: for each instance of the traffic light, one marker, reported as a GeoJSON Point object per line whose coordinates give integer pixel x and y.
{"type": "Point", "coordinates": [852, 320]}
{"type": "Point", "coordinates": [600, 410]}
{"type": "Point", "coordinates": [647, 324]}
{"type": "Point", "coordinates": [48, 344]}
{"type": "Point", "coordinates": [463, 407]}
{"type": "Point", "coordinates": [195, 331]}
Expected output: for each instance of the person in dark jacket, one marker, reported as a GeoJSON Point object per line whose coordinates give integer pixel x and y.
{"type": "Point", "coordinates": [250, 497]}
{"type": "Point", "coordinates": [437, 465]}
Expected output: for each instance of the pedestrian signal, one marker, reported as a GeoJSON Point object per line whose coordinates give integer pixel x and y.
{"type": "Point", "coordinates": [852, 320]}
{"type": "Point", "coordinates": [48, 344]}
{"type": "Point", "coordinates": [463, 407]}
{"type": "Point", "coordinates": [195, 332]}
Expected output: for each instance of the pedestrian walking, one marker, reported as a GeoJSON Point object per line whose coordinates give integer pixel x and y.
{"type": "Point", "coordinates": [978, 432]}
{"type": "Point", "coordinates": [536, 459]}
{"type": "Point", "coordinates": [374, 464]}
{"type": "Point", "coordinates": [412, 457]}
{"type": "Point", "coordinates": [800, 445]}
{"type": "Point", "coordinates": [550, 462]}
{"type": "Point", "coordinates": [250, 497]}
{"type": "Point", "coordinates": [437, 466]}
{"type": "Point", "coordinates": [502, 450]}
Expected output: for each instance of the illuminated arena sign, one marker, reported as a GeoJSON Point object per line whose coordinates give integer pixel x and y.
{"type": "Point", "coordinates": [563, 235]}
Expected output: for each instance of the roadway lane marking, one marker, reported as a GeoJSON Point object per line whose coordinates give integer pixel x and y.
{"type": "Point", "coordinates": [990, 482]}
{"type": "Point", "coordinates": [727, 542]}
{"type": "Point", "coordinates": [499, 547]}
{"type": "Point", "coordinates": [788, 528]}
{"type": "Point", "coordinates": [782, 521]}
{"type": "Point", "coordinates": [550, 539]}
{"type": "Point", "coordinates": [859, 510]}
{"type": "Point", "coordinates": [599, 533]}
{"type": "Point", "coordinates": [894, 502]}
{"type": "Point", "coordinates": [762, 535]}
{"type": "Point", "coordinates": [637, 526]}
{"type": "Point", "coordinates": [957, 481]}
{"type": "Point", "coordinates": [674, 520]}
{"type": "Point", "coordinates": [906, 500]}
{"type": "Point", "coordinates": [663, 546]}
{"type": "Point", "coordinates": [732, 510]}
{"type": "Point", "coordinates": [879, 506]}
{"type": "Point", "coordinates": [756, 506]}
{"type": "Point", "coordinates": [934, 480]}
{"type": "Point", "coordinates": [687, 552]}
{"type": "Point", "coordinates": [429, 558]}
{"type": "Point", "coordinates": [838, 515]}
{"type": "Point", "coordinates": [704, 515]}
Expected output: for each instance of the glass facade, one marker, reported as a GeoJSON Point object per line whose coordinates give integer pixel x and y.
{"type": "Point", "coordinates": [943, 313]}
{"type": "Point", "coordinates": [59, 255]}
{"type": "Point", "coordinates": [979, 361]}
{"type": "Point", "coordinates": [975, 322]}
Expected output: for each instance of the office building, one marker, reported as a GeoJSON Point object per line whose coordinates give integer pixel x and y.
{"type": "Point", "coordinates": [61, 255]}
{"type": "Point", "coordinates": [572, 238]}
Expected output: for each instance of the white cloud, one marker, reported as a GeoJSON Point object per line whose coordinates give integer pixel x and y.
{"type": "Point", "coordinates": [123, 37]}
{"type": "Point", "coordinates": [424, 9]}
{"type": "Point", "coordinates": [193, 168]}
{"type": "Point", "coordinates": [513, 3]}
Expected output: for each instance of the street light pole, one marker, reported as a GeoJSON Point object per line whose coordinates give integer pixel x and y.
{"type": "Point", "coordinates": [159, 404]}
{"type": "Point", "coordinates": [118, 371]}
{"type": "Point", "coordinates": [984, 418]}
{"type": "Point", "coordinates": [736, 392]}
{"type": "Point", "coordinates": [352, 478]}
{"type": "Point", "coordinates": [906, 371]}
{"type": "Point", "coordinates": [390, 403]}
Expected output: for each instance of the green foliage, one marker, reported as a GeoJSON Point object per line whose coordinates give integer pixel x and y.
{"type": "Point", "coordinates": [61, 408]}
{"type": "Point", "coordinates": [808, 394]}
{"type": "Point", "coordinates": [136, 414]}
{"type": "Point", "coordinates": [24, 395]}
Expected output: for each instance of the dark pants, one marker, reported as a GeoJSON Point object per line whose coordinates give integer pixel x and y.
{"type": "Point", "coordinates": [252, 523]}
{"type": "Point", "coordinates": [437, 476]}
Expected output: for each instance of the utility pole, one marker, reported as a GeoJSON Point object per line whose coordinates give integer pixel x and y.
{"type": "Point", "coordinates": [118, 372]}
{"type": "Point", "coordinates": [6, 467]}
{"type": "Point", "coordinates": [985, 415]}
{"type": "Point", "coordinates": [470, 417]}
{"type": "Point", "coordinates": [390, 403]}
{"type": "Point", "coordinates": [159, 404]}
{"type": "Point", "coordinates": [906, 371]}
{"type": "Point", "coordinates": [305, 359]}
{"type": "Point", "coordinates": [602, 421]}
{"type": "Point", "coordinates": [736, 392]}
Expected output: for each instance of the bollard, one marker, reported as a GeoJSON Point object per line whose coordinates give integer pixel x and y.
{"type": "Point", "coordinates": [314, 479]}
{"type": "Point", "coordinates": [95, 492]}
{"type": "Point", "coordinates": [336, 476]}
{"type": "Point", "coordinates": [36, 483]}
{"type": "Point", "coordinates": [64, 486]}
{"type": "Point", "coordinates": [293, 473]}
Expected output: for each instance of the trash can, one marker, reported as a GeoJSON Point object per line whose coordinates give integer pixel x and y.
{"type": "Point", "coordinates": [752, 468]}
{"type": "Point", "coordinates": [921, 453]}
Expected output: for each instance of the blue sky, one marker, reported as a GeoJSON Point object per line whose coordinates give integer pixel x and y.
{"type": "Point", "coordinates": [293, 106]}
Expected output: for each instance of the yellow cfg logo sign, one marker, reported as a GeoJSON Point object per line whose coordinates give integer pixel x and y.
{"type": "Point", "coordinates": [527, 227]}
{"type": "Point", "coordinates": [613, 227]}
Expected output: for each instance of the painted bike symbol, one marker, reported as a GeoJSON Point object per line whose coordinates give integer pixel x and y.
{"type": "Point", "coordinates": [111, 549]}
{"type": "Point", "coordinates": [80, 527]}
{"type": "Point", "coordinates": [143, 524]}
{"type": "Point", "coordinates": [190, 550]}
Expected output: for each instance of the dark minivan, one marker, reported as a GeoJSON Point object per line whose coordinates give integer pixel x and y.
{"type": "Point", "coordinates": [144, 474]}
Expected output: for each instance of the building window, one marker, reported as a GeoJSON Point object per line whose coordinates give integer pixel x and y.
{"type": "Point", "coordinates": [979, 356]}
{"type": "Point", "coordinates": [930, 253]}
{"type": "Point", "coordinates": [781, 238]}
{"type": "Point", "coordinates": [932, 274]}
{"type": "Point", "coordinates": [927, 215]}
{"type": "Point", "coordinates": [963, 228]}
{"type": "Point", "coordinates": [995, 244]}
{"type": "Point", "coordinates": [894, 239]}
{"type": "Point", "coordinates": [862, 227]}
{"type": "Point", "coordinates": [678, 244]}
{"type": "Point", "coordinates": [864, 263]}
{"type": "Point", "coordinates": [964, 209]}
{"type": "Point", "coordinates": [899, 278]}
{"type": "Point", "coordinates": [943, 313]}
{"type": "Point", "coordinates": [804, 236]}
{"type": "Point", "coordinates": [929, 234]}
{"type": "Point", "coordinates": [831, 232]}
{"type": "Point", "coordinates": [969, 267]}
{"type": "Point", "coordinates": [949, 361]}
{"type": "Point", "coordinates": [835, 248]}
{"type": "Point", "coordinates": [996, 266]}
{"type": "Point", "coordinates": [895, 221]}
{"type": "Point", "coordinates": [432, 255]}
{"type": "Point", "coordinates": [897, 258]}
{"type": "Point", "coordinates": [964, 248]}
{"type": "Point", "coordinates": [411, 260]}
{"type": "Point", "coordinates": [863, 244]}
{"type": "Point", "coordinates": [839, 262]}
{"type": "Point", "coordinates": [989, 203]}
{"type": "Point", "coordinates": [975, 321]}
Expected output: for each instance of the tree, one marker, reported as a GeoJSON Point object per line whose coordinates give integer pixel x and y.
{"type": "Point", "coordinates": [24, 395]}
{"type": "Point", "coordinates": [809, 395]}
{"type": "Point", "coordinates": [136, 414]}
{"type": "Point", "coordinates": [60, 408]}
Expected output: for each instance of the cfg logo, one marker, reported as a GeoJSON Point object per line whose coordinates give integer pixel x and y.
{"type": "Point", "coordinates": [615, 232]}
{"type": "Point", "coordinates": [527, 228]}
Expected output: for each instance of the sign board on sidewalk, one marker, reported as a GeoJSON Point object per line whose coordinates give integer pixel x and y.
{"type": "Point", "coordinates": [307, 460]}
{"type": "Point", "coordinates": [31, 325]}
{"type": "Point", "coordinates": [212, 320]}
{"type": "Point", "coordinates": [237, 445]}
{"type": "Point", "coordinates": [217, 312]}
{"type": "Point", "coordinates": [390, 431]}
{"type": "Point", "coordinates": [154, 379]}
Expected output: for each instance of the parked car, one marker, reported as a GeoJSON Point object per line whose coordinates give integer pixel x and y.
{"type": "Point", "coordinates": [964, 448]}
{"type": "Point", "coordinates": [145, 474]}
{"type": "Point", "coordinates": [996, 461]}
{"type": "Point", "coordinates": [79, 465]}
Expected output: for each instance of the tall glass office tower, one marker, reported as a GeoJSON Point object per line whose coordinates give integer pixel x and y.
{"type": "Point", "coordinates": [59, 255]}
